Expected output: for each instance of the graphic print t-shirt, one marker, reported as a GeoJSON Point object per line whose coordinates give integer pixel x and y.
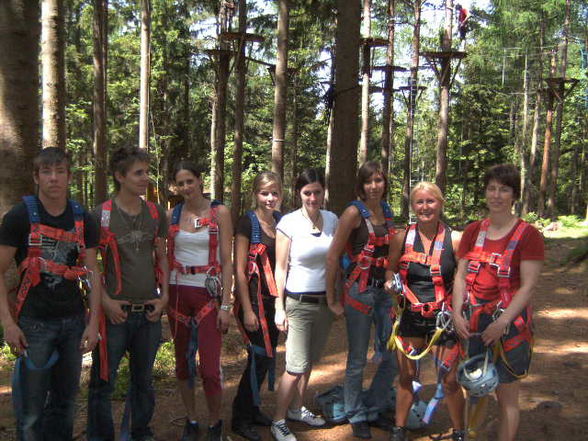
{"type": "Point", "coordinates": [54, 297]}
{"type": "Point", "coordinates": [135, 237]}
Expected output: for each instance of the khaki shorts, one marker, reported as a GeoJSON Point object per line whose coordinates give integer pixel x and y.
{"type": "Point", "coordinates": [308, 330]}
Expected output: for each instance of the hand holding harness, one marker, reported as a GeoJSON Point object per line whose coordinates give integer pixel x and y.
{"type": "Point", "coordinates": [364, 260]}
{"type": "Point", "coordinates": [212, 269]}
{"type": "Point", "coordinates": [495, 305]}
{"type": "Point", "coordinates": [258, 255]}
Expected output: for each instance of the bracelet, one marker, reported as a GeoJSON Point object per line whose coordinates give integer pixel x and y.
{"type": "Point", "coordinates": [226, 307]}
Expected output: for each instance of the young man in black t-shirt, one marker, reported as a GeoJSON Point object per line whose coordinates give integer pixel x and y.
{"type": "Point", "coordinates": [47, 327]}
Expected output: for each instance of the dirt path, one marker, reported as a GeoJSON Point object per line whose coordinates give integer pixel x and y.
{"type": "Point", "coordinates": [554, 398]}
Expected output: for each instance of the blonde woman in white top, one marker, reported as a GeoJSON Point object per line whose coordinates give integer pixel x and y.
{"type": "Point", "coordinates": [302, 240]}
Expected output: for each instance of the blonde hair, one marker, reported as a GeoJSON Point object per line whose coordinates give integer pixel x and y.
{"type": "Point", "coordinates": [266, 178]}
{"type": "Point", "coordinates": [429, 187]}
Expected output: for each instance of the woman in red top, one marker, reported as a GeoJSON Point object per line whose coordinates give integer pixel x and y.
{"type": "Point", "coordinates": [500, 259]}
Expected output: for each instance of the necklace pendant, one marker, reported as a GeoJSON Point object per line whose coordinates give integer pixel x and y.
{"type": "Point", "coordinates": [197, 223]}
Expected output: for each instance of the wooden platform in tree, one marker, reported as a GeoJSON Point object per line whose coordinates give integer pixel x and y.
{"type": "Point", "coordinates": [560, 87]}
{"type": "Point", "coordinates": [215, 52]}
{"type": "Point", "coordinates": [236, 36]}
{"type": "Point", "coordinates": [387, 68]}
{"type": "Point", "coordinates": [444, 54]}
{"type": "Point", "coordinates": [374, 42]}
{"type": "Point", "coordinates": [405, 88]}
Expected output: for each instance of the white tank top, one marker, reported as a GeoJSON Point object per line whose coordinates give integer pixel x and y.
{"type": "Point", "coordinates": [191, 249]}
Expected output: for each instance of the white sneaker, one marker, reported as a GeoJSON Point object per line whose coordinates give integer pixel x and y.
{"type": "Point", "coordinates": [306, 416]}
{"type": "Point", "coordinates": [281, 432]}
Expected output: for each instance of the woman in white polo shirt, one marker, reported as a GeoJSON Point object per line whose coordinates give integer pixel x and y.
{"type": "Point", "coordinates": [302, 240]}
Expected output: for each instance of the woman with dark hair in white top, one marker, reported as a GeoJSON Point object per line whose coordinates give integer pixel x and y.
{"type": "Point", "coordinates": [302, 240]}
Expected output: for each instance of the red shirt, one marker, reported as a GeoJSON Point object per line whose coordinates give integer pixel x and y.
{"type": "Point", "coordinates": [530, 247]}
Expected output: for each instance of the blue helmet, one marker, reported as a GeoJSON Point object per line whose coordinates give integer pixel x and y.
{"type": "Point", "coordinates": [478, 375]}
{"type": "Point", "coordinates": [416, 415]}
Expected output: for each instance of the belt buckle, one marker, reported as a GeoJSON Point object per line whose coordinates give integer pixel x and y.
{"type": "Point", "coordinates": [137, 307]}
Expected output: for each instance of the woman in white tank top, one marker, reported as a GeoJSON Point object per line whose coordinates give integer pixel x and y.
{"type": "Point", "coordinates": [199, 251]}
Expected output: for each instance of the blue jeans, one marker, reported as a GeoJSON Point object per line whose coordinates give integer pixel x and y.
{"type": "Point", "coordinates": [140, 337]}
{"type": "Point", "coordinates": [367, 405]}
{"type": "Point", "coordinates": [47, 379]}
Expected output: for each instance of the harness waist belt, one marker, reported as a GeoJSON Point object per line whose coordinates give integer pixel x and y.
{"type": "Point", "coordinates": [305, 298]}
{"type": "Point", "coordinates": [376, 283]}
{"type": "Point", "coordinates": [138, 307]}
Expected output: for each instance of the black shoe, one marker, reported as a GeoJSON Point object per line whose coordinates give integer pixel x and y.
{"type": "Point", "coordinates": [245, 430]}
{"type": "Point", "coordinates": [458, 435]}
{"type": "Point", "coordinates": [398, 434]}
{"type": "Point", "coordinates": [215, 433]}
{"type": "Point", "coordinates": [261, 419]}
{"type": "Point", "coordinates": [361, 430]}
{"type": "Point", "coordinates": [190, 432]}
{"type": "Point", "coordinates": [383, 423]}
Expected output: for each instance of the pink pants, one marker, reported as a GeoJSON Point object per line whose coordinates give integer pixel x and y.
{"type": "Point", "coordinates": [189, 300]}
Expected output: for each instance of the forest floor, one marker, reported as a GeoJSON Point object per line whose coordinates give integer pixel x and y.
{"type": "Point", "coordinates": [554, 397]}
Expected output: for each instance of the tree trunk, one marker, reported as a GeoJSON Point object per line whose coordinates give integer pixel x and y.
{"type": "Point", "coordinates": [19, 98]}
{"type": "Point", "coordinates": [219, 109]}
{"type": "Point", "coordinates": [100, 40]}
{"type": "Point", "coordinates": [412, 97]}
{"type": "Point", "coordinates": [552, 194]}
{"type": "Point", "coordinates": [387, 107]}
{"type": "Point", "coordinates": [281, 89]}
{"type": "Point", "coordinates": [547, 146]}
{"type": "Point", "coordinates": [145, 74]}
{"type": "Point", "coordinates": [444, 86]}
{"type": "Point", "coordinates": [522, 141]}
{"type": "Point", "coordinates": [365, 84]}
{"type": "Point", "coordinates": [343, 154]}
{"type": "Point", "coordinates": [53, 77]}
{"type": "Point", "coordinates": [239, 116]}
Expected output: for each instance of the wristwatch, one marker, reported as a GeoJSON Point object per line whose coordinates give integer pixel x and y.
{"type": "Point", "coordinates": [226, 307]}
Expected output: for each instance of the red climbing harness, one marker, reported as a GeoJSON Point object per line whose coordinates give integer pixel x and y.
{"type": "Point", "coordinates": [213, 267]}
{"type": "Point", "coordinates": [502, 262]}
{"type": "Point", "coordinates": [258, 250]}
{"type": "Point", "coordinates": [433, 261]}
{"type": "Point", "coordinates": [34, 264]}
{"type": "Point", "coordinates": [108, 240]}
{"type": "Point", "coordinates": [364, 260]}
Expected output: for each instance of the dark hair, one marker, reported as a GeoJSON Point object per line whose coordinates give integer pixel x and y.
{"type": "Point", "coordinates": [185, 165]}
{"type": "Point", "coordinates": [51, 156]}
{"type": "Point", "coordinates": [364, 173]}
{"type": "Point", "coordinates": [122, 160]}
{"type": "Point", "coordinates": [309, 176]}
{"type": "Point", "coordinates": [506, 174]}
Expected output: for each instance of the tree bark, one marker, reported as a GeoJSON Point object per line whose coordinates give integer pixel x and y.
{"type": "Point", "coordinates": [343, 154]}
{"type": "Point", "coordinates": [444, 86]}
{"type": "Point", "coordinates": [281, 89]}
{"type": "Point", "coordinates": [100, 40]}
{"type": "Point", "coordinates": [552, 193]}
{"type": "Point", "coordinates": [541, 210]}
{"type": "Point", "coordinates": [219, 109]}
{"type": "Point", "coordinates": [412, 97]}
{"type": "Point", "coordinates": [145, 74]}
{"type": "Point", "coordinates": [522, 141]}
{"type": "Point", "coordinates": [365, 84]}
{"type": "Point", "coordinates": [19, 98]}
{"type": "Point", "coordinates": [388, 107]}
{"type": "Point", "coordinates": [239, 116]}
{"type": "Point", "coordinates": [53, 77]}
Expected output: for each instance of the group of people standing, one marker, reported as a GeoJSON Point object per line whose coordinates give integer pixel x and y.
{"type": "Point", "coordinates": [294, 274]}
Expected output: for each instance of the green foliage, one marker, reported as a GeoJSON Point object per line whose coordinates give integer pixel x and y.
{"type": "Point", "coordinates": [569, 221]}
